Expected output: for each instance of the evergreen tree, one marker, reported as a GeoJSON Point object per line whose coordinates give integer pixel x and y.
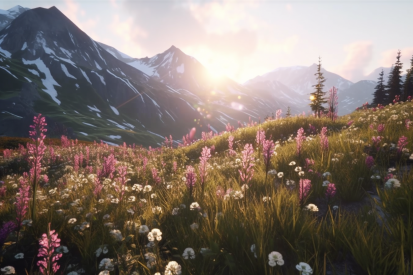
{"type": "Point", "coordinates": [333, 104]}
{"type": "Point", "coordinates": [395, 83]}
{"type": "Point", "coordinates": [408, 83]}
{"type": "Point", "coordinates": [380, 93]}
{"type": "Point", "coordinates": [288, 114]}
{"type": "Point", "coordinates": [318, 96]}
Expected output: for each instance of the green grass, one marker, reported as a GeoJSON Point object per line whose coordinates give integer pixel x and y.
{"type": "Point", "coordinates": [369, 233]}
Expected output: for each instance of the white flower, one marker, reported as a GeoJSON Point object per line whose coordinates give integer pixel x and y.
{"type": "Point", "coordinates": [155, 234]}
{"type": "Point", "coordinates": [325, 183]}
{"type": "Point", "coordinates": [72, 221]}
{"type": "Point", "coordinates": [137, 187]}
{"type": "Point", "coordinates": [131, 199]}
{"type": "Point", "coordinates": [194, 206]}
{"type": "Point", "coordinates": [62, 249]}
{"type": "Point", "coordinates": [188, 253]}
{"type": "Point", "coordinates": [253, 250]}
{"type": "Point", "coordinates": [301, 174]}
{"type": "Point", "coordinates": [272, 172]}
{"type": "Point", "coordinates": [335, 207]}
{"type": "Point", "coordinates": [151, 259]}
{"type": "Point", "coordinates": [157, 210]}
{"type": "Point", "coordinates": [194, 226]}
{"type": "Point", "coordinates": [147, 189]}
{"type": "Point", "coordinates": [275, 258]}
{"type": "Point", "coordinates": [116, 234]}
{"type": "Point", "coordinates": [104, 272]}
{"type": "Point", "coordinates": [292, 163]}
{"type": "Point", "coordinates": [107, 216]}
{"type": "Point", "coordinates": [244, 187]}
{"type": "Point", "coordinates": [27, 222]}
{"type": "Point", "coordinates": [326, 174]}
{"type": "Point", "coordinates": [392, 183]}
{"type": "Point", "coordinates": [106, 264]}
{"type": "Point", "coordinates": [289, 182]}
{"type": "Point", "coordinates": [204, 250]}
{"type": "Point", "coordinates": [100, 201]}
{"type": "Point", "coordinates": [280, 174]}
{"type": "Point", "coordinates": [265, 199]}
{"type": "Point", "coordinates": [19, 256]}
{"type": "Point", "coordinates": [143, 229]}
{"type": "Point", "coordinates": [8, 270]}
{"type": "Point", "coordinates": [304, 268]}
{"type": "Point", "coordinates": [98, 252]}
{"type": "Point", "coordinates": [312, 207]}
{"type": "Point", "coordinates": [297, 169]}
{"type": "Point", "coordinates": [172, 268]}
{"type": "Point", "coordinates": [153, 196]}
{"type": "Point", "coordinates": [175, 211]}
{"type": "Point", "coordinates": [130, 211]}
{"type": "Point", "coordinates": [238, 195]}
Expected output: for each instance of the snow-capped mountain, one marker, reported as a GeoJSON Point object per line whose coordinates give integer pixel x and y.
{"type": "Point", "coordinates": [355, 96]}
{"type": "Point", "coordinates": [301, 79]}
{"type": "Point", "coordinates": [6, 16]}
{"type": "Point", "coordinates": [50, 66]}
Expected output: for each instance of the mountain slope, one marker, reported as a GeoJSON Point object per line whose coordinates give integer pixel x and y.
{"type": "Point", "coordinates": [6, 16]}
{"type": "Point", "coordinates": [355, 96]}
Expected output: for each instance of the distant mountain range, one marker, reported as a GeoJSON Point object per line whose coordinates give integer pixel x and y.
{"type": "Point", "coordinates": [49, 66]}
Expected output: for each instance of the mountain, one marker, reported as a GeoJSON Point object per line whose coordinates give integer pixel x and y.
{"type": "Point", "coordinates": [301, 79]}
{"type": "Point", "coordinates": [374, 75]}
{"type": "Point", "coordinates": [355, 96]}
{"type": "Point", "coordinates": [52, 67]}
{"type": "Point", "coordinates": [6, 16]}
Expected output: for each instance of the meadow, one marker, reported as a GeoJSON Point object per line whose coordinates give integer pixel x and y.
{"type": "Point", "coordinates": [298, 195]}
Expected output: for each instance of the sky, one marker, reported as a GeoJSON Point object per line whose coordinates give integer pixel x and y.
{"type": "Point", "coordinates": [242, 39]}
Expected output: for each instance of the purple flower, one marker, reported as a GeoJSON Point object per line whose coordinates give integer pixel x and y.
{"type": "Point", "coordinates": [22, 201]}
{"type": "Point", "coordinates": [155, 176]}
{"type": "Point", "coordinates": [190, 178]}
{"type": "Point", "coordinates": [331, 191]}
{"type": "Point", "coordinates": [260, 137]}
{"type": "Point", "coordinates": [380, 128]}
{"type": "Point", "coordinates": [369, 161]}
{"type": "Point", "coordinates": [278, 114]}
{"type": "Point", "coordinates": [230, 144]}
{"type": "Point", "coordinates": [5, 230]}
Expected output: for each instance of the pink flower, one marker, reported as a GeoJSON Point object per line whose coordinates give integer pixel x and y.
{"type": "Point", "coordinates": [190, 178]}
{"type": "Point", "coordinates": [260, 137]}
{"type": "Point", "coordinates": [246, 172]}
{"type": "Point", "coordinates": [155, 176]}
{"type": "Point", "coordinates": [324, 139]}
{"type": "Point", "coordinates": [402, 143]}
{"type": "Point", "coordinates": [300, 138]}
{"type": "Point", "coordinates": [22, 201]}
{"type": "Point", "coordinates": [48, 243]}
{"type": "Point", "coordinates": [278, 114]}
{"type": "Point", "coordinates": [305, 186]}
{"type": "Point", "coordinates": [230, 144]}
{"type": "Point", "coordinates": [205, 155]}
{"type": "Point", "coordinates": [369, 161]}
{"type": "Point", "coordinates": [380, 128]}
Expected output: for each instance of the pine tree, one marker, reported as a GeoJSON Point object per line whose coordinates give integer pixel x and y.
{"type": "Point", "coordinates": [288, 114]}
{"type": "Point", "coordinates": [395, 83]}
{"type": "Point", "coordinates": [380, 93]}
{"type": "Point", "coordinates": [318, 96]}
{"type": "Point", "coordinates": [408, 83]}
{"type": "Point", "coordinates": [332, 104]}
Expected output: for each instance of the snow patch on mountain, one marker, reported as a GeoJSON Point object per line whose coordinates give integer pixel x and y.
{"type": "Point", "coordinates": [8, 72]}
{"type": "Point", "coordinates": [180, 69]}
{"type": "Point", "coordinates": [114, 109]}
{"type": "Point", "coordinates": [101, 77]}
{"type": "Point", "coordinates": [126, 81]}
{"type": "Point", "coordinates": [6, 53]}
{"type": "Point", "coordinates": [64, 69]}
{"type": "Point", "coordinates": [88, 124]}
{"type": "Point", "coordinates": [34, 72]}
{"type": "Point", "coordinates": [49, 81]}
{"type": "Point", "coordinates": [24, 46]}
{"type": "Point", "coordinates": [85, 76]}
{"type": "Point", "coordinates": [97, 66]}
{"type": "Point", "coordinates": [94, 108]}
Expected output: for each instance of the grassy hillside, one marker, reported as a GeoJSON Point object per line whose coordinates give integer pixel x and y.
{"type": "Point", "coordinates": [345, 208]}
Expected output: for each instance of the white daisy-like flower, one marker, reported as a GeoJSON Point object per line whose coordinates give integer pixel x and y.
{"type": "Point", "coordinates": [155, 234]}
{"type": "Point", "coordinates": [106, 264]}
{"type": "Point", "coordinates": [71, 221]}
{"type": "Point", "coordinates": [272, 172]}
{"type": "Point", "coordinates": [304, 268]}
{"type": "Point", "coordinates": [137, 187]}
{"type": "Point", "coordinates": [175, 211]}
{"type": "Point", "coordinates": [173, 268]}
{"type": "Point", "coordinates": [8, 270]}
{"type": "Point", "coordinates": [326, 174]}
{"type": "Point", "coordinates": [194, 206]}
{"type": "Point", "coordinates": [395, 183]}
{"type": "Point", "coordinates": [312, 207]}
{"type": "Point", "coordinates": [335, 207]}
{"type": "Point", "coordinates": [289, 182]}
{"type": "Point", "coordinates": [116, 234]}
{"type": "Point", "coordinates": [189, 253]}
{"type": "Point", "coordinates": [62, 249]}
{"type": "Point", "coordinates": [292, 163]}
{"type": "Point", "coordinates": [253, 250]}
{"type": "Point", "coordinates": [19, 256]}
{"type": "Point", "coordinates": [297, 169]}
{"type": "Point", "coordinates": [194, 226]}
{"type": "Point", "coordinates": [301, 174]}
{"type": "Point", "coordinates": [147, 189]}
{"type": "Point", "coordinates": [325, 183]}
{"type": "Point", "coordinates": [131, 199]}
{"type": "Point", "coordinates": [157, 210]}
{"type": "Point", "coordinates": [143, 229]}
{"type": "Point", "coordinates": [280, 174]}
{"type": "Point", "coordinates": [275, 258]}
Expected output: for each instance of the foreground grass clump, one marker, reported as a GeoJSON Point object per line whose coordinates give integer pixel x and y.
{"type": "Point", "coordinates": [335, 199]}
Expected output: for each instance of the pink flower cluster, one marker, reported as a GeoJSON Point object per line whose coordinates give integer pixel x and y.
{"type": "Point", "coordinates": [331, 191]}
{"type": "Point", "coordinates": [300, 138]}
{"type": "Point", "coordinates": [22, 201]}
{"type": "Point", "coordinates": [305, 186]}
{"type": "Point", "coordinates": [48, 243]}
{"type": "Point", "coordinates": [229, 128]}
{"type": "Point", "coordinates": [324, 139]}
{"type": "Point", "coordinates": [369, 162]}
{"type": "Point", "coordinates": [268, 151]}
{"type": "Point", "coordinates": [278, 114]}
{"type": "Point", "coordinates": [231, 152]}
{"type": "Point", "coordinates": [259, 139]}
{"type": "Point", "coordinates": [205, 155]}
{"type": "Point", "coordinates": [247, 172]}
{"type": "Point", "coordinates": [380, 128]}
{"type": "Point", "coordinates": [402, 143]}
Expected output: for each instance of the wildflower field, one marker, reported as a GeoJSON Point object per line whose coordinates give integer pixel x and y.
{"type": "Point", "coordinates": [298, 195]}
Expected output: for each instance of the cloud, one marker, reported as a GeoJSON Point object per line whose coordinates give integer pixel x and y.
{"type": "Point", "coordinates": [289, 7]}
{"type": "Point", "coordinates": [184, 25]}
{"type": "Point", "coordinates": [87, 24]}
{"type": "Point", "coordinates": [388, 58]}
{"type": "Point", "coordinates": [359, 55]}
